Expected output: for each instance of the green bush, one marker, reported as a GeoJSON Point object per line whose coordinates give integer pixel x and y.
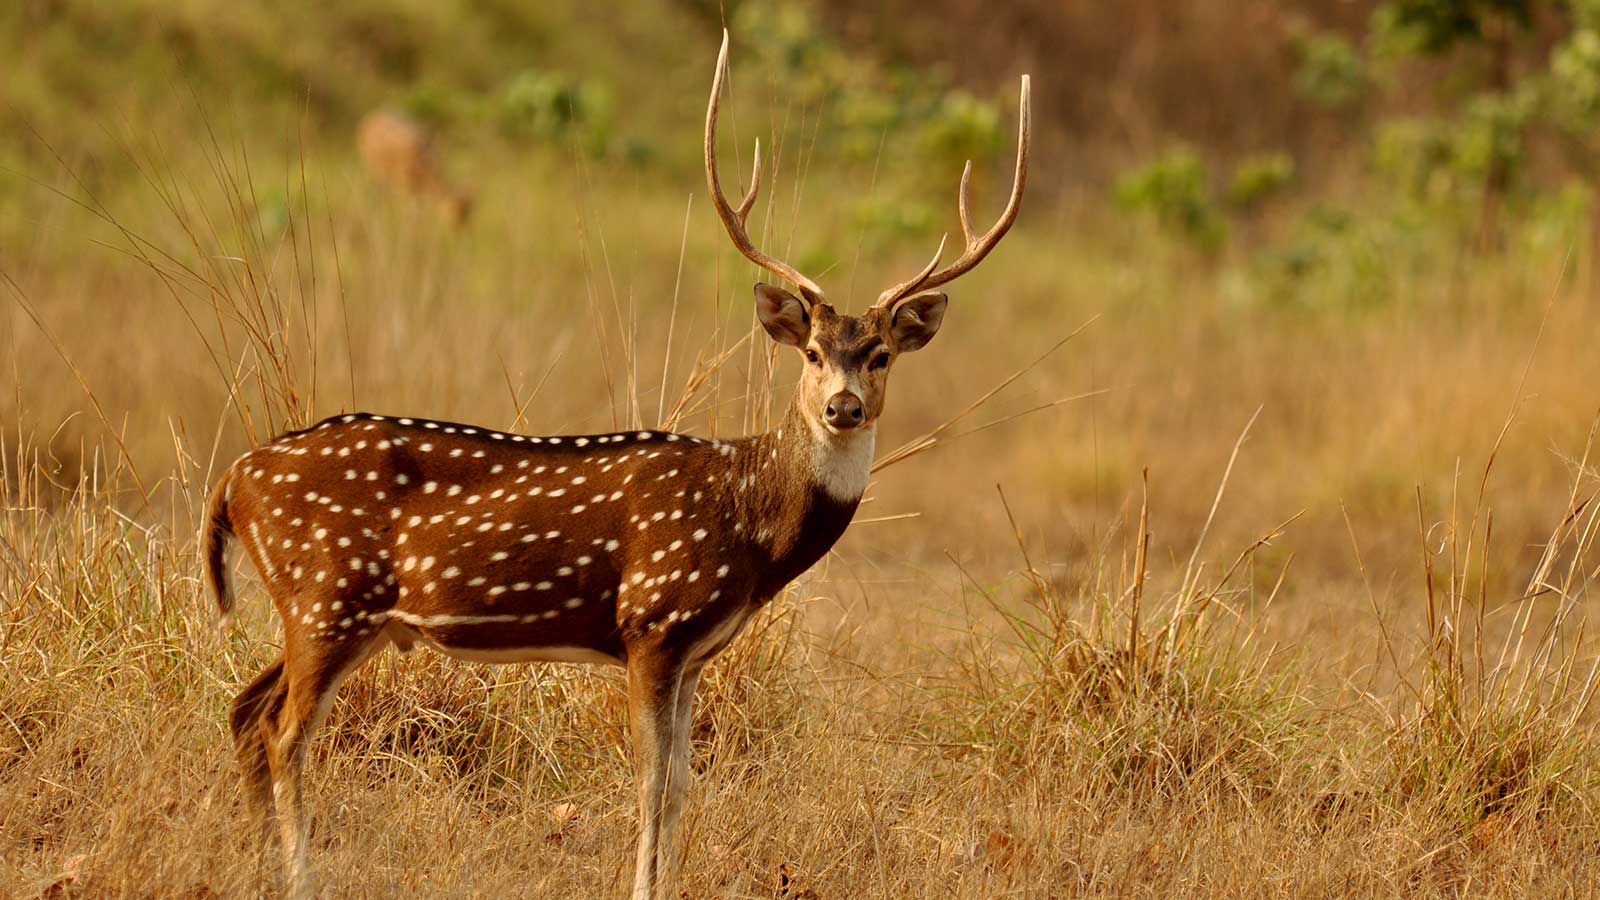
{"type": "Point", "coordinates": [1176, 190]}
{"type": "Point", "coordinates": [865, 106]}
{"type": "Point", "coordinates": [1573, 90]}
{"type": "Point", "coordinates": [1334, 259]}
{"type": "Point", "coordinates": [1491, 133]}
{"type": "Point", "coordinates": [1415, 155]}
{"type": "Point", "coordinates": [887, 219]}
{"type": "Point", "coordinates": [1260, 178]}
{"type": "Point", "coordinates": [1435, 27]}
{"type": "Point", "coordinates": [431, 103]}
{"type": "Point", "coordinates": [550, 106]}
{"type": "Point", "coordinates": [1330, 72]}
{"type": "Point", "coordinates": [1568, 95]}
{"type": "Point", "coordinates": [962, 128]}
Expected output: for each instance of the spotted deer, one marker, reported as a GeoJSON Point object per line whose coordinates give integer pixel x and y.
{"type": "Point", "coordinates": [644, 549]}
{"type": "Point", "coordinates": [400, 153]}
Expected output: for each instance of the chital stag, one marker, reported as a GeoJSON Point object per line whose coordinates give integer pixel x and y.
{"type": "Point", "coordinates": [400, 153]}
{"type": "Point", "coordinates": [642, 549]}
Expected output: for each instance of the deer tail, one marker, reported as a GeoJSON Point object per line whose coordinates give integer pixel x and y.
{"type": "Point", "coordinates": [214, 534]}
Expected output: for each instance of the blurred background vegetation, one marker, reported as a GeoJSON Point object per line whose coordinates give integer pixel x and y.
{"type": "Point", "coordinates": [1238, 181]}
{"type": "Point", "coordinates": [1354, 164]}
{"type": "Point", "coordinates": [1279, 140]}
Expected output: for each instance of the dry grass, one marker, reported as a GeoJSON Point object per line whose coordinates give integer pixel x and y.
{"type": "Point", "coordinates": [1108, 680]}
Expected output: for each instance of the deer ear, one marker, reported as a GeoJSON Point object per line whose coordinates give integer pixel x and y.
{"type": "Point", "coordinates": [782, 315]}
{"type": "Point", "coordinates": [917, 320]}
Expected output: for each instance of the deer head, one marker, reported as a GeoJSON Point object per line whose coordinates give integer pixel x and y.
{"type": "Point", "coordinates": [848, 358]}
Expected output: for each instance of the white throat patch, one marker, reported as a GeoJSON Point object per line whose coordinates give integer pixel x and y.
{"type": "Point", "coordinates": [841, 464]}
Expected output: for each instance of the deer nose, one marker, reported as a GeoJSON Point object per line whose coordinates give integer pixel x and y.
{"type": "Point", "coordinates": [843, 411]}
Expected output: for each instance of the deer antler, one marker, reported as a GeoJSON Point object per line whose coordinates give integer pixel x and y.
{"type": "Point", "coordinates": [733, 218]}
{"type": "Point", "coordinates": [978, 246]}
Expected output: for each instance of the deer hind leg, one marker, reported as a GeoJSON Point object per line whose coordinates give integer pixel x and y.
{"type": "Point", "coordinates": [313, 669]}
{"type": "Point", "coordinates": [263, 697]}
{"type": "Point", "coordinates": [653, 688]}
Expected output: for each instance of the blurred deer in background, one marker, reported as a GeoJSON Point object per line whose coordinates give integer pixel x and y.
{"type": "Point", "coordinates": [399, 151]}
{"type": "Point", "coordinates": [644, 549]}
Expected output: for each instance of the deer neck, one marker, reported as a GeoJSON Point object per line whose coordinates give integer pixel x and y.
{"type": "Point", "coordinates": [805, 484]}
{"type": "Point", "coordinates": [810, 459]}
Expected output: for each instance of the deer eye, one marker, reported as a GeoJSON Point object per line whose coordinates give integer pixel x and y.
{"type": "Point", "coordinates": [881, 361]}
{"type": "Point", "coordinates": [812, 357]}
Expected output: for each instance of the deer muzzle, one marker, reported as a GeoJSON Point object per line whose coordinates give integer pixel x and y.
{"type": "Point", "coordinates": [844, 411]}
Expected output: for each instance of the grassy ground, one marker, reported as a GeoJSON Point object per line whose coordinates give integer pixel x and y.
{"type": "Point", "coordinates": [1285, 599]}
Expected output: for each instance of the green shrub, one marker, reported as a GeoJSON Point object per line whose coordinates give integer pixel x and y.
{"type": "Point", "coordinates": [1259, 178]}
{"type": "Point", "coordinates": [1490, 134]}
{"type": "Point", "coordinates": [886, 219]}
{"type": "Point", "coordinates": [1329, 72]}
{"type": "Point", "coordinates": [551, 105]}
{"type": "Point", "coordinates": [1176, 190]}
{"type": "Point", "coordinates": [963, 127]}
{"type": "Point", "coordinates": [1414, 155]}
{"type": "Point", "coordinates": [1573, 90]}
{"type": "Point", "coordinates": [1333, 259]}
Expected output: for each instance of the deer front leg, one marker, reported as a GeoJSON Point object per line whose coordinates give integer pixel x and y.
{"type": "Point", "coordinates": [655, 685]}
{"type": "Point", "coordinates": [677, 787]}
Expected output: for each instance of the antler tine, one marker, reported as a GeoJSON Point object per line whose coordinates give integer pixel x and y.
{"type": "Point", "coordinates": [906, 287]}
{"type": "Point", "coordinates": [962, 203]}
{"type": "Point", "coordinates": [977, 246]}
{"type": "Point", "coordinates": [749, 200]}
{"type": "Point", "coordinates": [734, 219]}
